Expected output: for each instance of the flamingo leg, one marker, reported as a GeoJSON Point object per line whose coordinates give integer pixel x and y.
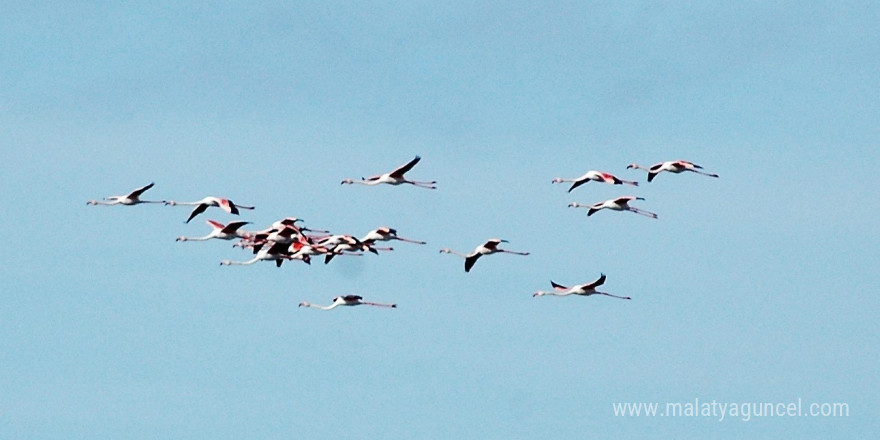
{"type": "Point", "coordinates": [642, 212]}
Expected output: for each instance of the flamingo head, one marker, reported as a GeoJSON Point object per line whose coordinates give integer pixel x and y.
{"type": "Point", "coordinates": [631, 166]}
{"type": "Point", "coordinates": [556, 180]}
{"type": "Point", "coordinates": [574, 205]}
{"type": "Point", "coordinates": [538, 293]}
{"type": "Point", "coordinates": [445, 251]}
{"type": "Point", "coordinates": [304, 304]}
{"type": "Point", "coordinates": [346, 181]}
{"type": "Point", "coordinates": [170, 203]}
{"type": "Point", "coordinates": [92, 202]}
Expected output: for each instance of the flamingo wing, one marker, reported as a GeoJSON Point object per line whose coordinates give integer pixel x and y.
{"type": "Point", "coordinates": [557, 286]}
{"type": "Point", "coordinates": [200, 208]}
{"type": "Point", "coordinates": [578, 183]}
{"type": "Point", "coordinates": [469, 262]}
{"type": "Point", "coordinates": [228, 206]}
{"type": "Point", "coordinates": [597, 283]}
{"type": "Point", "coordinates": [233, 227]}
{"type": "Point", "coordinates": [217, 225]}
{"type": "Point", "coordinates": [139, 191]}
{"type": "Point", "coordinates": [401, 170]}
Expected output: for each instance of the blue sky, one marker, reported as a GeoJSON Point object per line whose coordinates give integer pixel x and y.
{"type": "Point", "coordinates": [759, 286]}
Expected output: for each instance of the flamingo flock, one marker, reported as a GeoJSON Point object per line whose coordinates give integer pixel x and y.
{"type": "Point", "coordinates": [287, 240]}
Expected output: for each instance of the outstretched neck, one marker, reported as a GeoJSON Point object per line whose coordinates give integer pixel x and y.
{"type": "Point", "coordinates": [318, 306]}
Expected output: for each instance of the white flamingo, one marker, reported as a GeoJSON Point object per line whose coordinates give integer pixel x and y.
{"type": "Point", "coordinates": [672, 166]}
{"type": "Point", "coordinates": [618, 204]}
{"type": "Point", "coordinates": [220, 231]}
{"type": "Point", "coordinates": [597, 176]}
{"type": "Point", "coordinates": [278, 252]}
{"type": "Point", "coordinates": [580, 289]}
{"type": "Point", "coordinates": [488, 248]}
{"type": "Point", "coordinates": [394, 177]}
{"type": "Point", "coordinates": [385, 233]}
{"type": "Point", "coordinates": [132, 198]}
{"type": "Point", "coordinates": [201, 205]}
{"type": "Point", "coordinates": [347, 300]}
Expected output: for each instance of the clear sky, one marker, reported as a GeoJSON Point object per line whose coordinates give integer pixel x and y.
{"type": "Point", "coordinates": [759, 286]}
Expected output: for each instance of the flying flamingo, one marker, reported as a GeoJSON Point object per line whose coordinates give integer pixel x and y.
{"type": "Point", "coordinates": [220, 231]}
{"type": "Point", "coordinates": [394, 177]}
{"type": "Point", "coordinates": [304, 251]}
{"type": "Point", "coordinates": [277, 252]}
{"type": "Point", "coordinates": [201, 205]}
{"type": "Point", "coordinates": [347, 300]}
{"type": "Point", "coordinates": [487, 248]}
{"type": "Point", "coordinates": [672, 166]}
{"type": "Point", "coordinates": [580, 289]}
{"type": "Point", "coordinates": [618, 204]}
{"type": "Point", "coordinates": [340, 244]}
{"type": "Point", "coordinates": [385, 233]}
{"type": "Point", "coordinates": [597, 176]}
{"type": "Point", "coordinates": [132, 198]}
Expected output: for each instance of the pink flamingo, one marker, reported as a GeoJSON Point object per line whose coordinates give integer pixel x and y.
{"type": "Point", "coordinates": [201, 205]}
{"type": "Point", "coordinates": [488, 248]}
{"type": "Point", "coordinates": [672, 166]}
{"type": "Point", "coordinates": [385, 233]}
{"type": "Point", "coordinates": [618, 204]}
{"type": "Point", "coordinates": [278, 252]}
{"type": "Point", "coordinates": [597, 176]}
{"type": "Point", "coordinates": [394, 177]}
{"type": "Point", "coordinates": [220, 231]}
{"type": "Point", "coordinates": [580, 289]}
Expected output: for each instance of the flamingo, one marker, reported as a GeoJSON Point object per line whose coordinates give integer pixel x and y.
{"type": "Point", "coordinates": [220, 231]}
{"type": "Point", "coordinates": [618, 204]}
{"type": "Point", "coordinates": [394, 177]}
{"type": "Point", "coordinates": [132, 198]}
{"type": "Point", "coordinates": [347, 300]}
{"type": "Point", "coordinates": [201, 205]}
{"type": "Point", "coordinates": [487, 248]}
{"type": "Point", "coordinates": [385, 233]}
{"type": "Point", "coordinates": [339, 244]}
{"type": "Point", "coordinates": [597, 176]}
{"type": "Point", "coordinates": [672, 166]}
{"type": "Point", "coordinates": [580, 289]}
{"type": "Point", "coordinates": [277, 252]}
